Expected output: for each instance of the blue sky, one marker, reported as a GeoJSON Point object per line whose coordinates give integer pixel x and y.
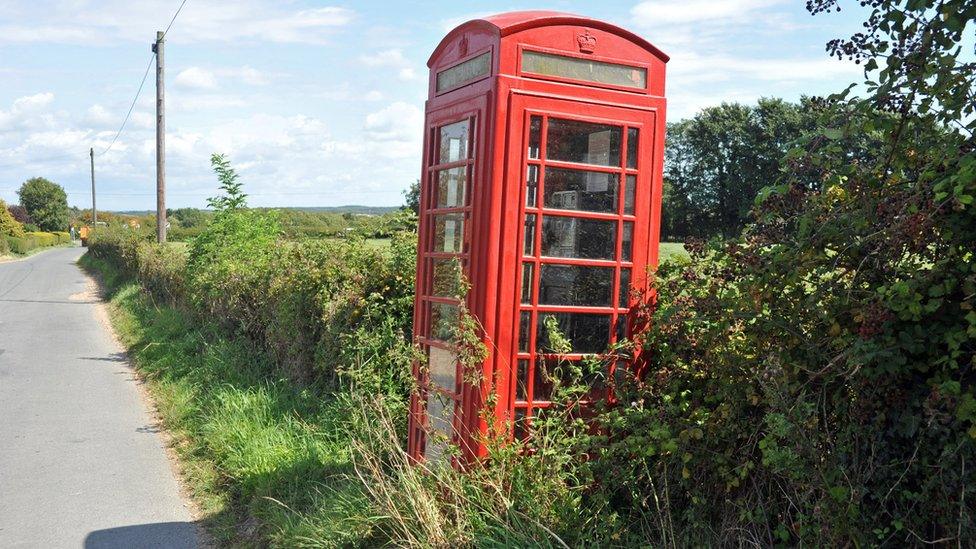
{"type": "Point", "coordinates": [321, 104]}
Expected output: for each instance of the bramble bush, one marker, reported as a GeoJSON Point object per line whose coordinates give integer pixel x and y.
{"type": "Point", "coordinates": [812, 381]}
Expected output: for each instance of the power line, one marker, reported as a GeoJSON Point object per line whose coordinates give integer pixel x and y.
{"type": "Point", "coordinates": [171, 21]}
{"type": "Point", "coordinates": [131, 106]}
{"type": "Point", "coordinates": [141, 84]}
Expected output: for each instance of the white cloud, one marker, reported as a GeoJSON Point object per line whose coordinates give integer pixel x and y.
{"type": "Point", "coordinates": [393, 58]}
{"type": "Point", "coordinates": [395, 131]}
{"type": "Point", "coordinates": [105, 21]}
{"type": "Point", "coordinates": [33, 102]}
{"type": "Point", "coordinates": [100, 117]}
{"type": "Point", "coordinates": [668, 12]}
{"type": "Point", "coordinates": [252, 76]}
{"type": "Point", "coordinates": [196, 78]}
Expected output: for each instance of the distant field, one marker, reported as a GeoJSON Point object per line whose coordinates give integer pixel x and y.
{"type": "Point", "coordinates": [669, 250]}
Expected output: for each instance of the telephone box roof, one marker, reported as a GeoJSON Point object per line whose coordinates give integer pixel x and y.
{"type": "Point", "coordinates": [511, 22]}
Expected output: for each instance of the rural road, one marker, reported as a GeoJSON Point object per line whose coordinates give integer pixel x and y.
{"type": "Point", "coordinates": [81, 461]}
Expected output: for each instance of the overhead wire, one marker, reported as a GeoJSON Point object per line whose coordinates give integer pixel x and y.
{"type": "Point", "coordinates": [143, 82]}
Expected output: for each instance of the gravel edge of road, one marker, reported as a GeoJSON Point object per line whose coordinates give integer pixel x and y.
{"type": "Point", "coordinates": [96, 292]}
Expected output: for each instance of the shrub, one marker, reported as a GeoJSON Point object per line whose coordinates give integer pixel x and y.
{"type": "Point", "coordinates": [4, 246]}
{"type": "Point", "coordinates": [8, 225]}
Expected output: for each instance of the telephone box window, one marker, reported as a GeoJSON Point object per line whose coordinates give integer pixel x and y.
{"type": "Point", "coordinates": [529, 241]}
{"type": "Point", "coordinates": [448, 233]}
{"type": "Point", "coordinates": [522, 380]}
{"type": "Point", "coordinates": [583, 142]}
{"type": "Point", "coordinates": [531, 185]}
{"type": "Point", "coordinates": [444, 317]}
{"type": "Point", "coordinates": [578, 237]}
{"type": "Point", "coordinates": [525, 323]}
{"type": "Point", "coordinates": [627, 240]}
{"type": "Point", "coordinates": [440, 413]}
{"type": "Point", "coordinates": [454, 142]}
{"type": "Point", "coordinates": [586, 70]}
{"type": "Point", "coordinates": [464, 72]}
{"type": "Point", "coordinates": [535, 130]}
{"type": "Point", "coordinates": [575, 285]}
{"type": "Point", "coordinates": [446, 275]}
{"type": "Point", "coordinates": [442, 366]}
{"type": "Point", "coordinates": [624, 287]}
{"type": "Point", "coordinates": [586, 333]}
{"type": "Point", "coordinates": [629, 192]}
{"type": "Point", "coordinates": [581, 190]}
{"type": "Point", "coordinates": [633, 135]}
{"type": "Point", "coordinates": [451, 185]}
{"type": "Point", "coordinates": [527, 272]}
{"type": "Point", "coordinates": [542, 381]}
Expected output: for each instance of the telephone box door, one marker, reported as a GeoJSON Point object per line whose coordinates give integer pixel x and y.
{"type": "Point", "coordinates": [586, 228]}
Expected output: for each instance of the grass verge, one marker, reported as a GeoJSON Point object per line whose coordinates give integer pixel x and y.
{"type": "Point", "coordinates": [267, 462]}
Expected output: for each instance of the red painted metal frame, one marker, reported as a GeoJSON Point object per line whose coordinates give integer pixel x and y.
{"type": "Point", "coordinates": [499, 107]}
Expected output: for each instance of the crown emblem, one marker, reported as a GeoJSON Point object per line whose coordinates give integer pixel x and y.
{"type": "Point", "coordinates": [463, 46]}
{"type": "Point", "coordinates": [586, 41]}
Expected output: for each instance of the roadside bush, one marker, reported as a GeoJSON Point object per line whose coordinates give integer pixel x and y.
{"type": "Point", "coordinates": [8, 225]}
{"type": "Point", "coordinates": [4, 246]}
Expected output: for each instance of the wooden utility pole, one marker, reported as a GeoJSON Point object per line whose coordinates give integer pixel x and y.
{"type": "Point", "coordinates": [160, 141]}
{"type": "Point", "coordinates": [91, 152]}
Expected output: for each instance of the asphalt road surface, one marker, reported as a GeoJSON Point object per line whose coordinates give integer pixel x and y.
{"type": "Point", "coordinates": [81, 462]}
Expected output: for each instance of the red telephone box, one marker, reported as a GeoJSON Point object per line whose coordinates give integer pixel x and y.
{"type": "Point", "coordinates": [542, 170]}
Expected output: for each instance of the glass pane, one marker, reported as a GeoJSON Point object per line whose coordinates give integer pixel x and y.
{"type": "Point", "coordinates": [586, 333]}
{"type": "Point", "coordinates": [519, 427]}
{"type": "Point", "coordinates": [629, 192]}
{"type": "Point", "coordinates": [624, 287]}
{"type": "Point", "coordinates": [464, 72]}
{"type": "Point", "coordinates": [541, 381]}
{"type": "Point", "coordinates": [446, 277]}
{"type": "Point", "coordinates": [628, 240]}
{"type": "Point", "coordinates": [451, 187]}
{"type": "Point", "coordinates": [577, 237]}
{"type": "Point", "coordinates": [442, 367]}
{"type": "Point", "coordinates": [522, 380]}
{"type": "Point", "coordinates": [448, 233]}
{"type": "Point", "coordinates": [576, 285]}
{"type": "Point", "coordinates": [532, 186]}
{"type": "Point", "coordinates": [527, 271]}
{"type": "Point", "coordinates": [621, 327]}
{"type": "Point", "coordinates": [443, 320]}
{"type": "Point", "coordinates": [440, 416]}
{"type": "Point", "coordinates": [529, 244]}
{"type": "Point", "coordinates": [535, 131]}
{"type": "Point", "coordinates": [587, 70]}
{"type": "Point", "coordinates": [581, 190]}
{"type": "Point", "coordinates": [525, 324]}
{"type": "Point", "coordinates": [454, 142]}
{"type": "Point", "coordinates": [633, 138]}
{"type": "Point", "coordinates": [583, 142]}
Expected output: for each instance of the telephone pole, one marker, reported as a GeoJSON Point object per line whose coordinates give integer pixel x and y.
{"type": "Point", "coordinates": [160, 141]}
{"type": "Point", "coordinates": [91, 152]}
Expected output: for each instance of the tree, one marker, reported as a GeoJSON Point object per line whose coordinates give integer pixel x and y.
{"type": "Point", "coordinates": [717, 161]}
{"type": "Point", "coordinates": [411, 197]}
{"type": "Point", "coordinates": [46, 203]}
{"type": "Point", "coordinates": [19, 213]}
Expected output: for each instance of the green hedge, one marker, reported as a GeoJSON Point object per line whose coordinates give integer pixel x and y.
{"type": "Point", "coordinates": [34, 240]}
{"type": "Point", "coordinates": [322, 309]}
